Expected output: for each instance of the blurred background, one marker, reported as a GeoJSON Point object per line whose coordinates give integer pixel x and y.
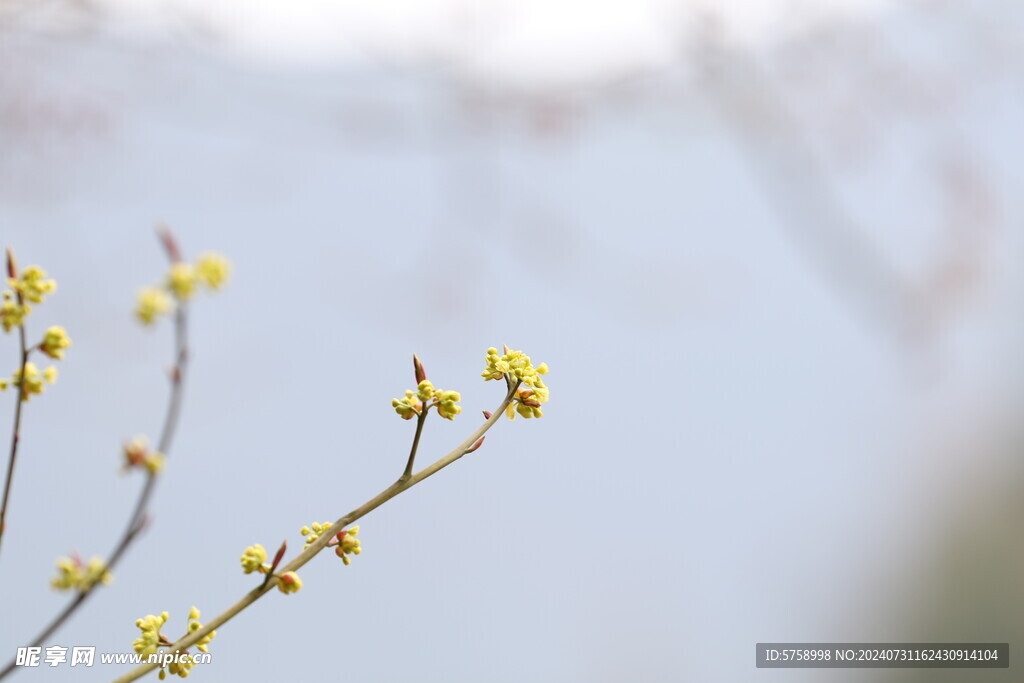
{"type": "Point", "coordinates": [770, 250]}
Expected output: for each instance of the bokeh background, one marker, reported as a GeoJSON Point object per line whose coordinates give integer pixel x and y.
{"type": "Point", "coordinates": [771, 252]}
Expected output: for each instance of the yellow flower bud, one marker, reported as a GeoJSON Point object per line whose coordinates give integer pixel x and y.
{"type": "Point", "coordinates": [34, 381]}
{"type": "Point", "coordinates": [33, 285]}
{"type": "Point", "coordinates": [12, 314]}
{"type": "Point", "coordinates": [54, 342]}
{"type": "Point", "coordinates": [290, 583]}
{"type": "Point", "coordinates": [212, 270]}
{"type": "Point", "coordinates": [446, 404]}
{"type": "Point", "coordinates": [252, 559]}
{"type": "Point", "coordinates": [152, 302]}
{"type": "Point", "coordinates": [181, 280]}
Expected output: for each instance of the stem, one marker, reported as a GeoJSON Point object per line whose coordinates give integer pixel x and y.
{"type": "Point", "coordinates": [16, 431]}
{"type": "Point", "coordinates": [319, 544]}
{"type": "Point", "coordinates": [137, 520]}
{"type": "Point", "coordinates": [421, 418]}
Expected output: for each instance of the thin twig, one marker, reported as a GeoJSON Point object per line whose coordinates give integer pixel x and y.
{"type": "Point", "coordinates": [420, 419]}
{"type": "Point", "coordinates": [16, 431]}
{"type": "Point", "coordinates": [320, 543]}
{"type": "Point", "coordinates": [136, 522]}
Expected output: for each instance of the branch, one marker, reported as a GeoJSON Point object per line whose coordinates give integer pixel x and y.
{"type": "Point", "coordinates": [136, 522]}
{"type": "Point", "coordinates": [16, 431]}
{"type": "Point", "coordinates": [320, 543]}
{"type": "Point", "coordinates": [420, 419]}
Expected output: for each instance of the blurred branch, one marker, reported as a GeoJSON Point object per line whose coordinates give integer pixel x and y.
{"type": "Point", "coordinates": [12, 271]}
{"type": "Point", "coordinates": [137, 520]}
{"type": "Point", "coordinates": [795, 183]}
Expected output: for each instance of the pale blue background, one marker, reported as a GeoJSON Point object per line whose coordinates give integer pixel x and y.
{"type": "Point", "coordinates": [744, 442]}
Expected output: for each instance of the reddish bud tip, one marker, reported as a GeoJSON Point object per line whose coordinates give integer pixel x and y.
{"type": "Point", "coordinates": [279, 556]}
{"type": "Point", "coordinates": [287, 579]}
{"type": "Point", "coordinates": [487, 415]}
{"type": "Point", "coordinates": [417, 366]}
{"type": "Point", "coordinates": [479, 442]}
{"type": "Point", "coordinates": [532, 403]}
{"type": "Point", "coordinates": [170, 243]}
{"type": "Point", "coordinates": [507, 350]}
{"type": "Point", "coordinates": [339, 552]}
{"type": "Point", "coordinates": [12, 265]}
{"type": "Point", "coordinates": [340, 535]}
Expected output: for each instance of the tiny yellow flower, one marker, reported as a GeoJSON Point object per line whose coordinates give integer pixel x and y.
{"type": "Point", "coordinates": [12, 314]}
{"type": "Point", "coordinates": [408, 407]}
{"type": "Point", "coordinates": [147, 643]}
{"type": "Point", "coordinates": [446, 404]}
{"type": "Point", "coordinates": [289, 583]}
{"type": "Point", "coordinates": [35, 381]}
{"type": "Point", "coordinates": [426, 397]}
{"type": "Point", "coordinates": [194, 625]}
{"type": "Point", "coordinates": [425, 390]}
{"type": "Point", "coordinates": [71, 573]}
{"type": "Point", "coordinates": [152, 302]}
{"type": "Point", "coordinates": [496, 366]}
{"type": "Point", "coordinates": [181, 280]}
{"type": "Point", "coordinates": [212, 270]}
{"type": "Point", "coordinates": [96, 572]}
{"type": "Point", "coordinates": [154, 462]}
{"type": "Point", "coordinates": [253, 559]}
{"type": "Point", "coordinates": [54, 342]}
{"type": "Point", "coordinates": [67, 574]}
{"type": "Point", "coordinates": [138, 454]}
{"type": "Point", "coordinates": [314, 531]}
{"type": "Point", "coordinates": [348, 544]}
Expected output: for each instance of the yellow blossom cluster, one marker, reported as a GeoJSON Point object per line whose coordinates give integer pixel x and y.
{"type": "Point", "coordinates": [55, 340]}
{"type": "Point", "coordinates": [345, 542]}
{"type": "Point", "coordinates": [426, 397]}
{"type": "Point", "coordinates": [179, 285]}
{"type": "Point", "coordinates": [151, 304]}
{"type": "Point", "coordinates": [253, 559]}
{"type": "Point", "coordinates": [12, 313]}
{"type": "Point", "coordinates": [314, 531]}
{"type": "Point", "coordinates": [150, 639]}
{"type": "Point", "coordinates": [348, 544]}
{"type": "Point", "coordinates": [255, 556]}
{"type": "Point", "coordinates": [138, 454]}
{"type": "Point", "coordinates": [194, 625]}
{"type": "Point", "coordinates": [516, 366]}
{"type": "Point", "coordinates": [31, 285]}
{"type": "Point", "coordinates": [72, 573]}
{"type": "Point", "coordinates": [35, 380]}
